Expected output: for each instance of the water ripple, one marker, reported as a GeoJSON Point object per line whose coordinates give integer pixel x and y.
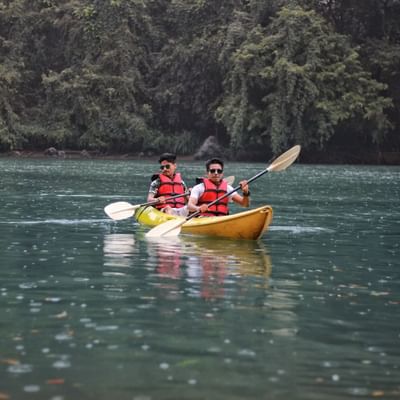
{"type": "Point", "coordinates": [57, 221]}
{"type": "Point", "coordinates": [300, 229]}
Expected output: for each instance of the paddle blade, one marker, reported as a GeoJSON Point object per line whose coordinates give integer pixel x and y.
{"type": "Point", "coordinates": [285, 160]}
{"type": "Point", "coordinates": [230, 180]}
{"type": "Point", "coordinates": [169, 228]}
{"type": "Point", "coordinates": [120, 210]}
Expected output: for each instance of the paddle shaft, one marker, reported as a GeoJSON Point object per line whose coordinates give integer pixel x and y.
{"type": "Point", "coordinates": [134, 207]}
{"type": "Point", "coordinates": [150, 203]}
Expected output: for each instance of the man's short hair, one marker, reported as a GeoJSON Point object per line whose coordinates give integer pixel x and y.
{"type": "Point", "coordinates": [170, 157]}
{"type": "Point", "coordinates": [214, 161]}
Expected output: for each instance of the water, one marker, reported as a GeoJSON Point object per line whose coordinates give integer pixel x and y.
{"type": "Point", "coordinates": [90, 309]}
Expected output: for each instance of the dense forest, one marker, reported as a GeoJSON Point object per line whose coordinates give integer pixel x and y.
{"type": "Point", "coordinates": [146, 76]}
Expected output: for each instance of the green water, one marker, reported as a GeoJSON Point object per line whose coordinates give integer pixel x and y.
{"type": "Point", "coordinates": [90, 309]}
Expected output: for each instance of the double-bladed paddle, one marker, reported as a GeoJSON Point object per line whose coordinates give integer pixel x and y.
{"type": "Point", "coordinates": [173, 227]}
{"type": "Point", "coordinates": [123, 209]}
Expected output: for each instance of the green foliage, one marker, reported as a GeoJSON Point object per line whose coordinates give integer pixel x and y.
{"type": "Point", "coordinates": [187, 73]}
{"type": "Point", "coordinates": [383, 59]}
{"type": "Point", "coordinates": [295, 82]}
{"type": "Point", "coordinates": [183, 143]}
{"type": "Point", "coordinates": [134, 75]}
{"type": "Point", "coordinates": [85, 63]}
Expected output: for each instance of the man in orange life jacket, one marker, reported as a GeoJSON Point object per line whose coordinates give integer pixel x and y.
{"type": "Point", "coordinates": [168, 183]}
{"type": "Point", "coordinates": [213, 187]}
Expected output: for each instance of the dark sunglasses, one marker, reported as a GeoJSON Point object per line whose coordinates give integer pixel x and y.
{"type": "Point", "coordinates": [216, 171]}
{"type": "Point", "coordinates": [166, 166]}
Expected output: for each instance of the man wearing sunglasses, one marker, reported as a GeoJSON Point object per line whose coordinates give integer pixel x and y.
{"type": "Point", "coordinates": [212, 188]}
{"type": "Point", "coordinates": [168, 183]}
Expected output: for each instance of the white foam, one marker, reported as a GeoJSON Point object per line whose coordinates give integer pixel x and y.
{"type": "Point", "coordinates": [300, 229]}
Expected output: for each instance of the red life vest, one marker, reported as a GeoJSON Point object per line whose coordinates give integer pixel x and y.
{"type": "Point", "coordinates": [171, 187]}
{"type": "Point", "coordinates": [214, 271]}
{"type": "Point", "coordinates": [212, 193]}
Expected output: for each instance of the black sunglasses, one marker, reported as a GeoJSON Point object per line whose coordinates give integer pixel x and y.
{"type": "Point", "coordinates": [166, 166]}
{"type": "Point", "coordinates": [216, 171]}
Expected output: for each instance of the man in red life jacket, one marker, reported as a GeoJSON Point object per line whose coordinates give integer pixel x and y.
{"type": "Point", "coordinates": [213, 187]}
{"type": "Point", "coordinates": [168, 183]}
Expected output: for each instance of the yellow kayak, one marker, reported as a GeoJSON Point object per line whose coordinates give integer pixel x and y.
{"type": "Point", "coordinates": [249, 225]}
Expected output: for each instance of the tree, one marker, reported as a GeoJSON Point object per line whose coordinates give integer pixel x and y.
{"type": "Point", "coordinates": [100, 92]}
{"type": "Point", "coordinates": [295, 81]}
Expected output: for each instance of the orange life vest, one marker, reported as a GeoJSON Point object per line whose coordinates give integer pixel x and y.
{"type": "Point", "coordinates": [171, 187]}
{"type": "Point", "coordinates": [212, 193]}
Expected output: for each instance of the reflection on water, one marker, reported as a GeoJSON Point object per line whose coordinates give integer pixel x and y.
{"type": "Point", "coordinates": [238, 257]}
{"type": "Point", "coordinates": [207, 264]}
{"type": "Point", "coordinates": [118, 248]}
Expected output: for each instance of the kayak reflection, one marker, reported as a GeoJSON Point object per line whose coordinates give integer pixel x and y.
{"type": "Point", "coordinates": [118, 249]}
{"type": "Point", "coordinates": [208, 264]}
{"type": "Point", "coordinates": [205, 266]}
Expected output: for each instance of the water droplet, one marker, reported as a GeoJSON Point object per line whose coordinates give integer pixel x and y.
{"type": "Point", "coordinates": [20, 368]}
{"type": "Point", "coordinates": [164, 365]}
{"type": "Point", "coordinates": [246, 353]}
{"type": "Point", "coordinates": [53, 299]}
{"type": "Point", "coordinates": [60, 364]}
{"type": "Point", "coordinates": [359, 391]}
{"type": "Point", "coordinates": [28, 285]}
{"type": "Point", "coordinates": [31, 388]}
{"type": "Point", "coordinates": [63, 336]}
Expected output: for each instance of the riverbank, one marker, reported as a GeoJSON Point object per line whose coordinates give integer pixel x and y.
{"type": "Point", "coordinates": [306, 157]}
{"type": "Point", "coordinates": [76, 155]}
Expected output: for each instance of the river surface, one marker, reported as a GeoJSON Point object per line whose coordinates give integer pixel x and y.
{"type": "Point", "coordinates": [91, 309]}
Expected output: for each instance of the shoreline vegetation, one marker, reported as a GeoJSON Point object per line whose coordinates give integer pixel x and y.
{"type": "Point", "coordinates": [341, 158]}
{"type": "Point", "coordinates": [84, 155]}
{"type": "Point", "coordinates": [136, 79]}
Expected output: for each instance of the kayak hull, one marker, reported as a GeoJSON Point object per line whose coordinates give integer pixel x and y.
{"type": "Point", "coordinates": [247, 225]}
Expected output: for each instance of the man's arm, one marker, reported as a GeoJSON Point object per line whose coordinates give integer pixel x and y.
{"type": "Point", "coordinates": [153, 190]}
{"type": "Point", "coordinates": [244, 200]}
{"type": "Point", "coordinates": [195, 194]}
